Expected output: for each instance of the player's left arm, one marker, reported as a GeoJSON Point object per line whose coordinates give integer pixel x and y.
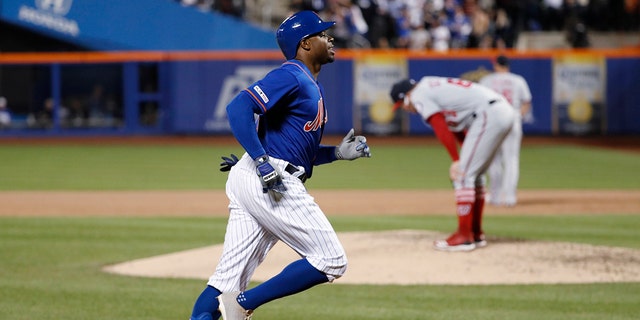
{"type": "Point", "coordinates": [350, 148]}
{"type": "Point", "coordinates": [326, 154]}
{"type": "Point", "coordinates": [240, 112]}
{"type": "Point", "coordinates": [525, 107]}
{"type": "Point", "coordinates": [525, 94]}
{"type": "Point", "coordinates": [446, 137]}
{"type": "Point", "coordinates": [258, 98]}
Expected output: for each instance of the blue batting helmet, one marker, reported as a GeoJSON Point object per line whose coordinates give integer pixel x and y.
{"type": "Point", "coordinates": [297, 27]}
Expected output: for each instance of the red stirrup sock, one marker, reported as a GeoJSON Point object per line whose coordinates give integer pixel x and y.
{"type": "Point", "coordinates": [478, 209]}
{"type": "Point", "coordinates": [465, 199]}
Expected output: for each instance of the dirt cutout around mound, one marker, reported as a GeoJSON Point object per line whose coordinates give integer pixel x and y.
{"type": "Point", "coordinates": [405, 257]}
{"type": "Point", "coordinates": [391, 257]}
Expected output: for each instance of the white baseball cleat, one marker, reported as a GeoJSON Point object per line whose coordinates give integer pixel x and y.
{"type": "Point", "coordinates": [443, 245]}
{"type": "Point", "coordinates": [480, 240]}
{"type": "Point", "coordinates": [231, 309]}
{"type": "Point", "coordinates": [455, 243]}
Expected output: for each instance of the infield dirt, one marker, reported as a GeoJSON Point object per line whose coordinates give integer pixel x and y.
{"type": "Point", "coordinates": [390, 257]}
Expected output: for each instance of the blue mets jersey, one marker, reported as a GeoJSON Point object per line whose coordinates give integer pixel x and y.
{"type": "Point", "coordinates": [290, 105]}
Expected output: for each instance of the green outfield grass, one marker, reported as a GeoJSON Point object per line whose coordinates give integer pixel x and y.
{"type": "Point", "coordinates": [51, 270]}
{"type": "Point", "coordinates": [50, 267]}
{"type": "Point", "coordinates": [109, 167]}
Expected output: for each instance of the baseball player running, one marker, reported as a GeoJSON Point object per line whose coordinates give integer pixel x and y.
{"type": "Point", "coordinates": [268, 201]}
{"type": "Point", "coordinates": [479, 118]}
{"type": "Point", "coordinates": [504, 170]}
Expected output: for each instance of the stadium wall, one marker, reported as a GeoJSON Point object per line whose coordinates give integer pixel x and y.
{"type": "Point", "coordinates": [590, 92]}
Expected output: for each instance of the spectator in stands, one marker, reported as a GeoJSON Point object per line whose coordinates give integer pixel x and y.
{"type": "Point", "coordinates": [533, 15]}
{"type": "Point", "coordinates": [235, 8]}
{"type": "Point", "coordinates": [350, 28]}
{"type": "Point", "coordinates": [449, 8]}
{"type": "Point", "coordinates": [481, 30]}
{"type": "Point", "coordinates": [101, 107]}
{"type": "Point", "coordinates": [631, 16]}
{"type": "Point", "coordinates": [440, 34]}
{"type": "Point", "coordinates": [420, 38]}
{"type": "Point", "coordinates": [303, 5]}
{"type": "Point", "coordinates": [403, 28]}
{"type": "Point", "coordinates": [575, 28]}
{"type": "Point", "coordinates": [382, 28]}
{"type": "Point", "coordinates": [96, 103]}
{"type": "Point", "coordinates": [599, 16]}
{"type": "Point", "coordinates": [577, 35]}
{"type": "Point", "coordinates": [44, 117]}
{"type": "Point", "coordinates": [459, 27]}
{"type": "Point", "coordinates": [573, 12]}
{"type": "Point", "coordinates": [552, 18]}
{"type": "Point", "coordinates": [5, 115]}
{"type": "Point", "coordinates": [78, 113]}
{"type": "Point", "coordinates": [387, 26]}
{"type": "Point", "coordinates": [374, 17]}
{"type": "Point", "coordinates": [504, 36]}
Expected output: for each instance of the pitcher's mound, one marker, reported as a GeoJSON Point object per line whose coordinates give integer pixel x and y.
{"type": "Point", "coordinates": [406, 257]}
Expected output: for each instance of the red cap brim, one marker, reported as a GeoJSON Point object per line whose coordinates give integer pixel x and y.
{"type": "Point", "coordinates": [397, 105]}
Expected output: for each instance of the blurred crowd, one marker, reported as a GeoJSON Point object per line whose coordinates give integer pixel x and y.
{"type": "Point", "coordinates": [234, 8]}
{"type": "Point", "coordinates": [452, 24]}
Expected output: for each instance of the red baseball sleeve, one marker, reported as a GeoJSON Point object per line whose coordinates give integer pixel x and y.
{"type": "Point", "coordinates": [445, 136]}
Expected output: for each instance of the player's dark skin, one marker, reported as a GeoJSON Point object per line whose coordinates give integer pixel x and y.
{"type": "Point", "coordinates": [315, 51]}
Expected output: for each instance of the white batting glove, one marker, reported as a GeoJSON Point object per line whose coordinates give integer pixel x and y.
{"type": "Point", "coordinates": [352, 147]}
{"type": "Point", "coordinates": [269, 176]}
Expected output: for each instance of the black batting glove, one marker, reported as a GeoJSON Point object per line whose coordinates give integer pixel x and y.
{"type": "Point", "coordinates": [227, 162]}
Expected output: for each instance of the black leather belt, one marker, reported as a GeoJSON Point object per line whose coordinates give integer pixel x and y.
{"type": "Point", "coordinates": [293, 170]}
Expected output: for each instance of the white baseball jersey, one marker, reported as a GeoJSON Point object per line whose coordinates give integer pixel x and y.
{"type": "Point", "coordinates": [457, 99]}
{"type": "Point", "coordinates": [483, 114]}
{"type": "Point", "coordinates": [512, 86]}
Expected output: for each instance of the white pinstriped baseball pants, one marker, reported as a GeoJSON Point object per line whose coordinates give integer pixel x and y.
{"type": "Point", "coordinates": [257, 222]}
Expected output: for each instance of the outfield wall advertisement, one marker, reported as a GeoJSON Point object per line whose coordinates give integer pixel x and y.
{"type": "Point", "coordinates": [579, 95]}
{"type": "Point", "coordinates": [372, 107]}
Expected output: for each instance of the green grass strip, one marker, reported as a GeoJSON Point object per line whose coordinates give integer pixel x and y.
{"type": "Point", "coordinates": [195, 167]}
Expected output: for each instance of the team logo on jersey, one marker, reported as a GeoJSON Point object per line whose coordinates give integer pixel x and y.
{"type": "Point", "coordinates": [261, 93]}
{"type": "Point", "coordinates": [318, 121]}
